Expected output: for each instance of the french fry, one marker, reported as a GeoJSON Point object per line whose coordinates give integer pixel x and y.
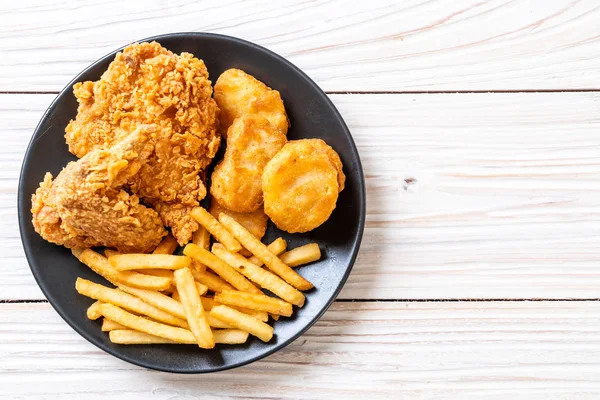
{"type": "Point", "coordinates": [262, 277]}
{"type": "Point", "coordinates": [93, 311]}
{"type": "Point", "coordinates": [77, 252]}
{"type": "Point", "coordinates": [102, 267]}
{"type": "Point", "coordinates": [128, 336]}
{"type": "Point", "coordinates": [157, 272]}
{"type": "Point", "coordinates": [215, 228]}
{"type": "Point", "coordinates": [277, 247]}
{"type": "Point", "coordinates": [201, 238]}
{"type": "Point", "coordinates": [167, 246]}
{"type": "Point", "coordinates": [223, 269]}
{"type": "Point", "coordinates": [301, 255]}
{"type": "Point", "coordinates": [126, 301]}
{"type": "Point", "coordinates": [208, 303]}
{"type": "Point", "coordinates": [275, 317]}
{"type": "Point", "coordinates": [158, 300]}
{"type": "Point", "coordinates": [196, 316]}
{"type": "Point", "coordinates": [241, 321]}
{"type": "Point", "coordinates": [125, 262]}
{"type": "Point", "coordinates": [142, 324]}
{"type": "Point", "coordinates": [263, 254]}
{"type": "Point", "coordinates": [258, 302]}
{"type": "Point", "coordinates": [217, 323]}
{"type": "Point", "coordinates": [230, 336]}
{"type": "Point", "coordinates": [108, 325]}
{"type": "Point", "coordinates": [211, 281]}
{"type": "Point", "coordinates": [110, 253]}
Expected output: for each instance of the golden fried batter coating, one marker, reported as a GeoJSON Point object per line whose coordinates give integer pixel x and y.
{"type": "Point", "coordinates": [255, 222]}
{"type": "Point", "coordinates": [301, 185]}
{"type": "Point", "coordinates": [238, 94]}
{"type": "Point", "coordinates": [85, 205]}
{"type": "Point", "coordinates": [148, 84]}
{"type": "Point", "coordinates": [236, 181]}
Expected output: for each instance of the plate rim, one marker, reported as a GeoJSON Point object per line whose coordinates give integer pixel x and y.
{"type": "Point", "coordinates": [21, 202]}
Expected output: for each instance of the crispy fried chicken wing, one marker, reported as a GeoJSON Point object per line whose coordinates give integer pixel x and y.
{"type": "Point", "coordinates": [148, 84]}
{"type": "Point", "coordinates": [86, 206]}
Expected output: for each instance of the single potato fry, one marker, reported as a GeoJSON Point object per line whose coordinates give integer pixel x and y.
{"type": "Point", "coordinates": [77, 252]}
{"type": "Point", "coordinates": [238, 93]}
{"type": "Point", "coordinates": [211, 281]}
{"type": "Point", "coordinates": [126, 301]}
{"type": "Point", "coordinates": [262, 277]}
{"type": "Point", "coordinates": [124, 262]}
{"type": "Point", "coordinates": [201, 238]}
{"type": "Point", "coordinates": [102, 267]}
{"type": "Point", "coordinates": [237, 180]}
{"type": "Point", "coordinates": [277, 247]}
{"type": "Point", "coordinates": [158, 300]}
{"type": "Point", "coordinates": [157, 272]}
{"type": "Point", "coordinates": [93, 311]}
{"type": "Point", "coordinates": [301, 255]}
{"type": "Point", "coordinates": [242, 321]}
{"type": "Point", "coordinates": [196, 316]}
{"type": "Point", "coordinates": [255, 222]}
{"type": "Point", "coordinates": [208, 303]}
{"type": "Point", "coordinates": [221, 268]}
{"type": "Point", "coordinates": [128, 336]}
{"type": "Point", "coordinates": [167, 246]}
{"type": "Point", "coordinates": [216, 229]}
{"type": "Point", "coordinates": [142, 324]}
{"type": "Point", "coordinates": [230, 336]}
{"type": "Point", "coordinates": [262, 253]}
{"type": "Point", "coordinates": [258, 302]}
{"type": "Point", "coordinates": [301, 185]}
{"type": "Point", "coordinates": [108, 325]}
{"type": "Point", "coordinates": [110, 253]}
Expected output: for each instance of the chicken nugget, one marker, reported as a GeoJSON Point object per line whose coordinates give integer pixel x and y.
{"type": "Point", "coordinates": [236, 181]}
{"type": "Point", "coordinates": [255, 222]}
{"type": "Point", "coordinates": [301, 185]}
{"type": "Point", "coordinates": [238, 94]}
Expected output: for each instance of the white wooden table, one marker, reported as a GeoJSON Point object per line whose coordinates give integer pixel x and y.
{"type": "Point", "coordinates": [478, 124]}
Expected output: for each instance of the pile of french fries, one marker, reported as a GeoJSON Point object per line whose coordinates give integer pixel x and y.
{"type": "Point", "coordinates": [204, 297]}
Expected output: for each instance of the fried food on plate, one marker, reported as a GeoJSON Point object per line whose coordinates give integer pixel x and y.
{"type": "Point", "coordinates": [148, 84]}
{"type": "Point", "coordinates": [236, 181]}
{"type": "Point", "coordinates": [301, 185]}
{"type": "Point", "coordinates": [86, 206]}
{"type": "Point", "coordinates": [238, 93]}
{"type": "Point", "coordinates": [255, 222]}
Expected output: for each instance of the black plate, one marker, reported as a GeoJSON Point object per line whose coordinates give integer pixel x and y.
{"type": "Point", "coordinates": [312, 115]}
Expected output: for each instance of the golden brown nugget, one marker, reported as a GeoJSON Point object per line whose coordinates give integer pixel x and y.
{"type": "Point", "coordinates": [238, 93]}
{"type": "Point", "coordinates": [300, 186]}
{"type": "Point", "coordinates": [236, 181]}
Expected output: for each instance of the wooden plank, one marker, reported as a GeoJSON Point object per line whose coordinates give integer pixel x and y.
{"type": "Point", "coordinates": [498, 350]}
{"type": "Point", "coordinates": [413, 45]}
{"type": "Point", "coordinates": [469, 195]}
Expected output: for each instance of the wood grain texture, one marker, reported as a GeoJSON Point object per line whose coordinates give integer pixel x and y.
{"type": "Point", "coordinates": [415, 45]}
{"type": "Point", "coordinates": [499, 350]}
{"type": "Point", "coordinates": [469, 195]}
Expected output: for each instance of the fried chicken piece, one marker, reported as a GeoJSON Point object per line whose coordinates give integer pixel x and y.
{"type": "Point", "coordinates": [238, 93]}
{"type": "Point", "coordinates": [85, 205]}
{"type": "Point", "coordinates": [301, 185]}
{"type": "Point", "coordinates": [236, 181]}
{"type": "Point", "coordinates": [148, 84]}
